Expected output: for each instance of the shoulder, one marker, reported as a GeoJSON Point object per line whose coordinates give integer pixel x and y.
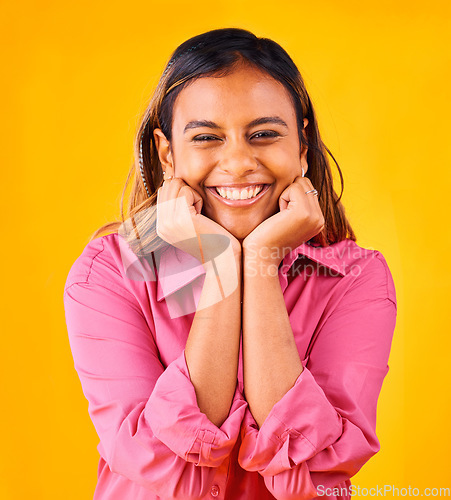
{"type": "Point", "coordinates": [362, 271]}
{"type": "Point", "coordinates": [101, 262]}
{"type": "Point", "coordinates": [366, 270]}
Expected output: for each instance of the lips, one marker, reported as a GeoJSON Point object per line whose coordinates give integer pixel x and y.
{"type": "Point", "coordinates": [239, 195]}
{"type": "Point", "coordinates": [236, 193]}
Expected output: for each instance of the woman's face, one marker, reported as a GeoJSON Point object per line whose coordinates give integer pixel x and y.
{"type": "Point", "coordinates": [235, 141]}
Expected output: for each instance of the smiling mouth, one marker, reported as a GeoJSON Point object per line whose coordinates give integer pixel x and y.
{"type": "Point", "coordinates": [239, 196]}
{"type": "Point", "coordinates": [233, 193]}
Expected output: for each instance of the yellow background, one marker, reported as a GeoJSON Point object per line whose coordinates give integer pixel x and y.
{"type": "Point", "coordinates": [75, 79]}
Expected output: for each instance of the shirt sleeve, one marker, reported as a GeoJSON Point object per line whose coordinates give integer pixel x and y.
{"type": "Point", "coordinates": [146, 416]}
{"type": "Point", "coordinates": [323, 430]}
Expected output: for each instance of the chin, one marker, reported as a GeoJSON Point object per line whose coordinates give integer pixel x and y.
{"type": "Point", "coordinates": [241, 234]}
{"type": "Point", "coordinates": [239, 225]}
{"type": "Point", "coordinates": [239, 231]}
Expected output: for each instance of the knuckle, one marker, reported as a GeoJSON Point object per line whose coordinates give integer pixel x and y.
{"type": "Point", "coordinates": [184, 191]}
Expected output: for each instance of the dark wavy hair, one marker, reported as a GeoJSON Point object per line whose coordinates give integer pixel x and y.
{"type": "Point", "coordinates": [216, 53]}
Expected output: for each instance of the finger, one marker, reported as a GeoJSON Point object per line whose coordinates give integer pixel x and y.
{"type": "Point", "coordinates": [162, 192]}
{"type": "Point", "coordinates": [171, 188]}
{"type": "Point", "coordinates": [305, 185]}
{"type": "Point", "coordinates": [295, 198]}
{"type": "Point", "coordinates": [303, 182]}
{"type": "Point", "coordinates": [193, 199]}
{"type": "Point", "coordinates": [298, 186]}
{"type": "Point", "coordinates": [166, 202]}
{"type": "Point", "coordinates": [300, 180]}
{"type": "Point", "coordinates": [292, 196]}
{"type": "Point", "coordinates": [315, 209]}
{"type": "Point", "coordinates": [174, 212]}
{"type": "Point", "coordinates": [177, 200]}
{"type": "Point", "coordinates": [309, 185]}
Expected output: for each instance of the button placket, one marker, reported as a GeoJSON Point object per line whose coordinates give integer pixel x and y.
{"type": "Point", "coordinates": [219, 486]}
{"type": "Point", "coordinates": [214, 492]}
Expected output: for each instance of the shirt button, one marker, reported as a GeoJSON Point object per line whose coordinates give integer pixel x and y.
{"type": "Point", "coordinates": [214, 490]}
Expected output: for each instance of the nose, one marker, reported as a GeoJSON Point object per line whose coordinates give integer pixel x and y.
{"type": "Point", "coordinates": [237, 158]}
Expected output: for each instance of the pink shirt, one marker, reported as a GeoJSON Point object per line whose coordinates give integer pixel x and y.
{"type": "Point", "coordinates": [128, 345]}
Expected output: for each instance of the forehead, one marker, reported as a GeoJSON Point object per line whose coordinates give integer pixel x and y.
{"type": "Point", "coordinates": [243, 94]}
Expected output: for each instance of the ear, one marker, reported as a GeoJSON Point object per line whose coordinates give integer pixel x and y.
{"type": "Point", "coordinates": [164, 152]}
{"type": "Point", "coordinates": [304, 148]}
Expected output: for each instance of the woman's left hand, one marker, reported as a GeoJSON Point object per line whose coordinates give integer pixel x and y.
{"type": "Point", "coordinates": [299, 219]}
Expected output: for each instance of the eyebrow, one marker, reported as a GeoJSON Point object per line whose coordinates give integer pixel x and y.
{"type": "Point", "coordinates": [259, 121]}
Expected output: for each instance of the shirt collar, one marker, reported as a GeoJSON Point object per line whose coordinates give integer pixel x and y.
{"type": "Point", "coordinates": [177, 269]}
{"type": "Point", "coordinates": [332, 257]}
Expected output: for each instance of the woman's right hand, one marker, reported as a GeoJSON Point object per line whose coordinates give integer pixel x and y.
{"type": "Point", "coordinates": [180, 223]}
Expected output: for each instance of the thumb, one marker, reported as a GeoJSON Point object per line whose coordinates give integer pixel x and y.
{"type": "Point", "coordinates": [193, 199]}
{"type": "Point", "coordinates": [285, 198]}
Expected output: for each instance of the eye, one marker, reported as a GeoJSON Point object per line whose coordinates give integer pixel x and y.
{"type": "Point", "coordinates": [205, 138]}
{"type": "Point", "coordinates": [265, 134]}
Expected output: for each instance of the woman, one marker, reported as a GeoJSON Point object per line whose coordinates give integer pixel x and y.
{"type": "Point", "coordinates": [244, 359]}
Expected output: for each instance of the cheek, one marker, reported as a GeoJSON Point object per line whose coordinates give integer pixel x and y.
{"type": "Point", "coordinates": [191, 166]}
{"type": "Point", "coordinates": [285, 163]}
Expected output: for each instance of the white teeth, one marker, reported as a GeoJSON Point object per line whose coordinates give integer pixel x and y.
{"type": "Point", "coordinates": [239, 194]}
